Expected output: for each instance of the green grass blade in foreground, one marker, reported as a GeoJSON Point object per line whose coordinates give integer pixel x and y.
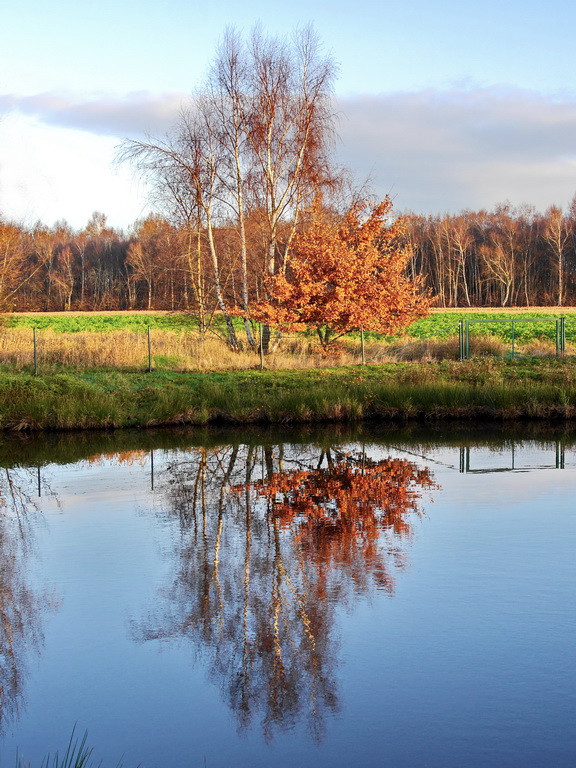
{"type": "Point", "coordinates": [77, 755]}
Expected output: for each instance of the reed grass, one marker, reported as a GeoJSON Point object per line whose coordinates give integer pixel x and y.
{"type": "Point", "coordinates": [127, 350]}
{"type": "Point", "coordinates": [171, 350]}
{"type": "Point", "coordinates": [77, 755]}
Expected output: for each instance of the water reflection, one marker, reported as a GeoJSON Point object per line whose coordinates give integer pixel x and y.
{"type": "Point", "coordinates": [512, 460]}
{"type": "Point", "coordinates": [245, 549]}
{"type": "Point", "coordinates": [274, 540]}
{"type": "Point", "coordinates": [21, 607]}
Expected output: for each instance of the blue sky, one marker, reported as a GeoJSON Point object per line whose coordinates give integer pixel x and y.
{"type": "Point", "coordinates": [443, 105]}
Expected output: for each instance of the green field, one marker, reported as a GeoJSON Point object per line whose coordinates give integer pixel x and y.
{"type": "Point", "coordinates": [101, 322]}
{"type": "Point", "coordinates": [439, 324]}
{"type": "Point", "coordinates": [93, 390]}
{"type": "Point", "coordinates": [445, 324]}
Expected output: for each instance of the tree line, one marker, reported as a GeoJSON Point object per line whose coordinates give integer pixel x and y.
{"type": "Point", "coordinates": [510, 256]}
{"type": "Point", "coordinates": [504, 257]}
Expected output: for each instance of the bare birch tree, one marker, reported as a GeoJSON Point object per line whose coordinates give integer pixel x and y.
{"type": "Point", "coordinates": [255, 138]}
{"type": "Point", "coordinates": [557, 234]}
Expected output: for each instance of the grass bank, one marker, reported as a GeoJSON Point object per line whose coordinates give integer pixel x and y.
{"type": "Point", "coordinates": [481, 389]}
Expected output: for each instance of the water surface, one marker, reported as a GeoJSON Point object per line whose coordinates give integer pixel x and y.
{"type": "Point", "coordinates": [316, 598]}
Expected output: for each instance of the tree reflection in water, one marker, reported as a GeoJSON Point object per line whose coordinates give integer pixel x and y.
{"type": "Point", "coordinates": [273, 540]}
{"type": "Point", "coordinates": [20, 607]}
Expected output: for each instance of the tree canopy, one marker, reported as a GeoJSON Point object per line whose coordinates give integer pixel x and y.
{"type": "Point", "coordinates": [346, 275]}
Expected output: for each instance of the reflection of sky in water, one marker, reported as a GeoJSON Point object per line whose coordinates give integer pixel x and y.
{"type": "Point", "coordinates": [469, 662]}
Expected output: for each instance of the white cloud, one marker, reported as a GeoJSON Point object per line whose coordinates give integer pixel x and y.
{"type": "Point", "coordinates": [432, 150]}
{"type": "Point", "coordinates": [445, 151]}
{"type": "Point", "coordinates": [135, 113]}
{"type": "Point", "coordinates": [49, 173]}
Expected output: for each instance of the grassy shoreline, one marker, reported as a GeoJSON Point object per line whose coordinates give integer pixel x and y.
{"type": "Point", "coordinates": [486, 389]}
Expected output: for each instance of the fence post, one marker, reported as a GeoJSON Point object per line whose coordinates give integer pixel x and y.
{"type": "Point", "coordinates": [261, 349]}
{"type": "Point", "coordinates": [35, 353]}
{"type": "Point", "coordinates": [149, 352]}
{"type": "Point", "coordinates": [362, 344]}
{"type": "Point", "coordinates": [461, 339]}
{"type": "Point", "coordinates": [560, 337]}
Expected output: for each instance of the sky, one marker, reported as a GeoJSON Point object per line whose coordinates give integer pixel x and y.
{"type": "Point", "coordinates": [445, 106]}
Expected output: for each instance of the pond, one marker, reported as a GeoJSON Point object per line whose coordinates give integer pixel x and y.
{"type": "Point", "coordinates": [374, 596]}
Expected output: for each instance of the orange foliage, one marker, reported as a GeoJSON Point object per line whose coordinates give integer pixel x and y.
{"type": "Point", "coordinates": [136, 457]}
{"type": "Point", "coordinates": [339, 512]}
{"type": "Point", "coordinates": [12, 262]}
{"type": "Point", "coordinates": [347, 276]}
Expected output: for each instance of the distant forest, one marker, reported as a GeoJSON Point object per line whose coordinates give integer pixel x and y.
{"type": "Point", "coordinates": [506, 257]}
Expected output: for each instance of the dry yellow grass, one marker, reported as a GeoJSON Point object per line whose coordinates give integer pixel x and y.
{"type": "Point", "coordinates": [171, 350]}
{"type": "Point", "coordinates": [431, 350]}
{"type": "Point", "coordinates": [185, 351]}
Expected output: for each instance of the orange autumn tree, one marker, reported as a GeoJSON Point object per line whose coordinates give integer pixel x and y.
{"type": "Point", "coordinates": [346, 276]}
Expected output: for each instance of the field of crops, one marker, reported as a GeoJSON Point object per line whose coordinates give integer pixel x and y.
{"type": "Point", "coordinates": [445, 324]}
{"type": "Point", "coordinates": [65, 322]}
{"type": "Point", "coordinates": [439, 324]}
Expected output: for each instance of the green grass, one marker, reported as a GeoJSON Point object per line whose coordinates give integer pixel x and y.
{"type": "Point", "coordinates": [475, 389]}
{"type": "Point", "coordinates": [445, 324]}
{"type": "Point", "coordinates": [102, 322]}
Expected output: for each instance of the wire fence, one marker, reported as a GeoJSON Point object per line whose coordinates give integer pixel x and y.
{"type": "Point", "coordinates": [152, 349]}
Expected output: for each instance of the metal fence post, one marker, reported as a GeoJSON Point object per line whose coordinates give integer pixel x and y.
{"type": "Point", "coordinates": [261, 348]}
{"type": "Point", "coordinates": [35, 353]}
{"type": "Point", "coordinates": [149, 352]}
{"type": "Point", "coordinates": [560, 336]}
{"type": "Point", "coordinates": [362, 345]}
{"type": "Point", "coordinates": [461, 339]}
